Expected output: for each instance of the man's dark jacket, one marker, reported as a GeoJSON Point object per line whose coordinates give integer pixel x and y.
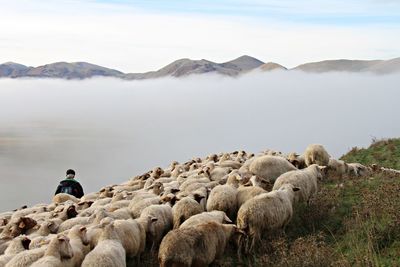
{"type": "Point", "coordinates": [70, 186]}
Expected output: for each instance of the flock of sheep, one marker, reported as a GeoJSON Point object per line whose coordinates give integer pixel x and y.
{"type": "Point", "coordinates": [188, 212]}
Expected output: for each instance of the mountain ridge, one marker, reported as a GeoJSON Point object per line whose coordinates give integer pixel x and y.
{"type": "Point", "coordinates": [185, 67]}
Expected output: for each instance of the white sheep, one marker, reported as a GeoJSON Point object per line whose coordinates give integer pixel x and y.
{"type": "Point", "coordinates": [306, 179]}
{"type": "Point", "coordinates": [270, 167]}
{"type": "Point", "coordinates": [184, 209]}
{"type": "Point", "coordinates": [297, 160]}
{"type": "Point", "coordinates": [357, 169]}
{"type": "Point", "coordinates": [132, 235]}
{"type": "Point", "coordinates": [164, 223]}
{"type": "Point", "coordinates": [62, 197]}
{"type": "Point", "coordinates": [212, 216]}
{"type": "Point", "coordinates": [79, 242]}
{"type": "Point", "coordinates": [336, 168]}
{"type": "Point", "coordinates": [108, 251]}
{"type": "Point", "coordinates": [17, 245]}
{"type": "Point", "coordinates": [57, 253]}
{"type": "Point", "coordinates": [265, 213]}
{"type": "Point", "coordinates": [136, 208]}
{"type": "Point", "coordinates": [316, 154]}
{"type": "Point", "coordinates": [27, 257]}
{"type": "Point", "coordinates": [245, 193]}
{"type": "Point", "coordinates": [224, 198]}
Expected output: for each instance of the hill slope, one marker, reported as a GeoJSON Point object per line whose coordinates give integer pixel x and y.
{"type": "Point", "coordinates": [186, 67]}
{"type": "Point", "coordinates": [338, 65]}
{"type": "Point", "coordinates": [76, 70]}
{"type": "Point", "coordinates": [385, 153]}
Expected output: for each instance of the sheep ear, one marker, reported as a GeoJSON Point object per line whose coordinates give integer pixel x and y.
{"type": "Point", "coordinates": [296, 189]}
{"type": "Point", "coordinates": [174, 190]}
{"type": "Point", "coordinates": [226, 219]}
{"type": "Point", "coordinates": [82, 229]}
{"type": "Point", "coordinates": [102, 190]}
{"type": "Point", "coordinates": [153, 219]}
{"type": "Point", "coordinates": [49, 224]}
{"type": "Point", "coordinates": [61, 238]}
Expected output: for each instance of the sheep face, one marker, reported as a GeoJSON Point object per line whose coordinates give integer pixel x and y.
{"type": "Point", "coordinates": [83, 235]}
{"type": "Point", "coordinates": [66, 251]}
{"type": "Point", "coordinates": [3, 222]}
{"type": "Point", "coordinates": [71, 212]}
{"type": "Point", "coordinates": [321, 172]}
{"type": "Point", "coordinates": [25, 241]}
{"type": "Point", "coordinates": [52, 226]}
{"type": "Point", "coordinates": [21, 226]}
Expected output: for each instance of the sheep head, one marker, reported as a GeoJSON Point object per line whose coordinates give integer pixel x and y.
{"type": "Point", "coordinates": [18, 227]}
{"type": "Point", "coordinates": [25, 241]}
{"type": "Point", "coordinates": [71, 212]}
{"type": "Point", "coordinates": [65, 248]}
{"type": "Point", "coordinates": [83, 235]}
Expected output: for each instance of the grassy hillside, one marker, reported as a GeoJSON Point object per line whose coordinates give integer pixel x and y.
{"type": "Point", "coordinates": [385, 153]}
{"type": "Point", "coordinates": [352, 222]}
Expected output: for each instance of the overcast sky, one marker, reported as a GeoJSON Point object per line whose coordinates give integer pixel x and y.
{"type": "Point", "coordinates": [137, 36]}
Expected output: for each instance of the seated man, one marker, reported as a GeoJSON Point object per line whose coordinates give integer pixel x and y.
{"type": "Point", "coordinates": [70, 185]}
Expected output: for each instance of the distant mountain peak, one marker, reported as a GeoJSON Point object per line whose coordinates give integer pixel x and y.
{"type": "Point", "coordinates": [186, 66]}
{"type": "Point", "coordinates": [270, 66]}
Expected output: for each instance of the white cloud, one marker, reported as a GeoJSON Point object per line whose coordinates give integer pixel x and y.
{"type": "Point", "coordinates": [133, 40]}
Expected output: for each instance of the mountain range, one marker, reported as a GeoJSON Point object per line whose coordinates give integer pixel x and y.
{"type": "Point", "coordinates": [186, 67]}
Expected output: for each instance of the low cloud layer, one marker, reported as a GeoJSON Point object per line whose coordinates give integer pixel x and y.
{"type": "Point", "coordinates": [109, 130]}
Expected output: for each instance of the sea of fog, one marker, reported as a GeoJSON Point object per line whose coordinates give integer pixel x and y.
{"type": "Point", "coordinates": [109, 130]}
